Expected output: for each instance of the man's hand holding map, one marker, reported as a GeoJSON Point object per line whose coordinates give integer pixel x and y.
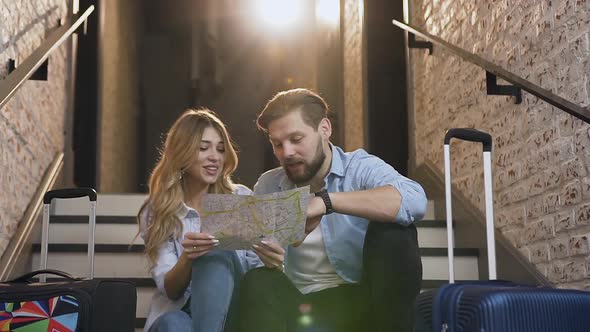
{"type": "Point", "coordinates": [239, 221]}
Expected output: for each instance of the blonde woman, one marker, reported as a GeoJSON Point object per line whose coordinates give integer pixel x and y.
{"type": "Point", "coordinates": [195, 282]}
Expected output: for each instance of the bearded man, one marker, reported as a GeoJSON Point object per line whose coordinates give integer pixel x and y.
{"type": "Point", "coordinates": [358, 268]}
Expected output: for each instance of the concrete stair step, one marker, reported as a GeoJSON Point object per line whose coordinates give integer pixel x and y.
{"type": "Point", "coordinates": [129, 204]}
{"type": "Point", "coordinates": [124, 230]}
{"type": "Point", "coordinates": [116, 260]}
{"type": "Point", "coordinates": [107, 205]}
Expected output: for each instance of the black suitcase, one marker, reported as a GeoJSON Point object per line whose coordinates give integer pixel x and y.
{"type": "Point", "coordinates": [67, 304]}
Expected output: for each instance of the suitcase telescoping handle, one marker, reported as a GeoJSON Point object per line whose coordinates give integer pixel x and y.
{"type": "Point", "coordinates": [69, 193]}
{"type": "Point", "coordinates": [64, 194]}
{"type": "Point", "coordinates": [472, 135]}
{"type": "Point", "coordinates": [26, 278]}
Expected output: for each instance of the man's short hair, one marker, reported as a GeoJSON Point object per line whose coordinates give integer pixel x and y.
{"type": "Point", "coordinates": [312, 107]}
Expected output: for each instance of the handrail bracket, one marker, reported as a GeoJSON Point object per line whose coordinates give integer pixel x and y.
{"type": "Point", "coordinates": [35, 66]}
{"type": "Point", "coordinates": [40, 73]}
{"type": "Point", "coordinates": [82, 29]}
{"type": "Point", "coordinates": [413, 43]}
{"type": "Point", "coordinates": [493, 89]}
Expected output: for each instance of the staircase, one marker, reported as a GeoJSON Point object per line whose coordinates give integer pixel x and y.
{"type": "Point", "coordinates": [118, 255]}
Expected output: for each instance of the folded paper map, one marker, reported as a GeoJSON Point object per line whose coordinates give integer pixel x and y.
{"type": "Point", "coordinates": [239, 221]}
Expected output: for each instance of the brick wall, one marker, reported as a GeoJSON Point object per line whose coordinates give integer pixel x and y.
{"type": "Point", "coordinates": [32, 123]}
{"type": "Point", "coordinates": [354, 101]}
{"type": "Point", "coordinates": [541, 155]}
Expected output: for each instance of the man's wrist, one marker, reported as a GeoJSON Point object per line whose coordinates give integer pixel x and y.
{"type": "Point", "coordinates": [325, 196]}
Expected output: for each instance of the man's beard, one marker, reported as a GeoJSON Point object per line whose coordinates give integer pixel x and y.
{"type": "Point", "coordinates": [309, 169]}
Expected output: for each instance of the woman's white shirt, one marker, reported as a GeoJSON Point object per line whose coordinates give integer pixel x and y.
{"type": "Point", "coordinates": [169, 253]}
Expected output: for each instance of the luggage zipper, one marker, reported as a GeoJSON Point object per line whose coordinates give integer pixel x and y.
{"type": "Point", "coordinates": [81, 296]}
{"type": "Point", "coordinates": [444, 328]}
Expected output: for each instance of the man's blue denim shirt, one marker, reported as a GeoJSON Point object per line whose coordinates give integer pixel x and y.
{"type": "Point", "coordinates": [343, 234]}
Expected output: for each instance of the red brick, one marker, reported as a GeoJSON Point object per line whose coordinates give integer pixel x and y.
{"type": "Point", "coordinates": [559, 248]}
{"type": "Point", "coordinates": [563, 221]}
{"type": "Point", "coordinates": [578, 245]}
{"type": "Point", "coordinates": [582, 214]}
{"type": "Point", "coordinates": [539, 253]}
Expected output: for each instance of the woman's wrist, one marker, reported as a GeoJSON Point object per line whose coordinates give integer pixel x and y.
{"type": "Point", "coordinates": [184, 259]}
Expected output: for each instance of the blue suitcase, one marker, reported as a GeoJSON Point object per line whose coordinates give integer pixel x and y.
{"type": "Point", "coordinates": [427, 318]}
{"type": "Point", "coordinates": [431, 305]}
{"type": "Point", "coordinates": [495, 305]}
{"type": "Point", "coordinates": [445, 300]}
{"type": "Point", "coordinates": [493, 308]}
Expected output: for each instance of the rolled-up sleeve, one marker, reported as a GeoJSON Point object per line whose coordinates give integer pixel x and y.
{"type": "Point", "coordinates": [252, 260]}
{"type": "Point", "coordinates": [166, 260]}
{"type": "Point", "coordinates": [413, 204]}
{"type": "Point", "coordinates": [166, 253]}
{"type": "Point", "coordinates": [372, 172]}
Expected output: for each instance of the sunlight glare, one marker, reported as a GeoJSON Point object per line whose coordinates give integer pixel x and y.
{"type": "Point", "coordinates": [278, 13]}
{"type": "Point", "coordinates": [328, 11]}
{"type": "Point", "coordinates": [361, 9]}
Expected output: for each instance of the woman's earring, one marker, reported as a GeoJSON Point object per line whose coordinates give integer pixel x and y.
{"type": "Point", "coordinates": [181, 175]}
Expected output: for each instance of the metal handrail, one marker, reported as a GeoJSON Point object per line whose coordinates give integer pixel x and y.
{"type": "Point", "coordinates": [544, 94]}
{"type": "Point", "coordinates": [12, 82]}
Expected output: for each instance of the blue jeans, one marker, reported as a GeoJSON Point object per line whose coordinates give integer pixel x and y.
{"type": "Point", "coordinates": [215, 280]}
{"type": "Point", "coordinates": [176, 320]}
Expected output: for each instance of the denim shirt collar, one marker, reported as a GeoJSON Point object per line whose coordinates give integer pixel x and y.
{"type": "Point", "coordinates": [184, 211]}
{"type": "Point", "coordinates": [337, 161]}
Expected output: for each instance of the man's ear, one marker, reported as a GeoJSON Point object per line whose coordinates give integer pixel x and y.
{"type": "Point", "coordinates": [325, 128]}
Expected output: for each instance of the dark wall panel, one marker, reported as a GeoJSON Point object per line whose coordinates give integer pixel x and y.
{"type": "Point", "coordinates": [386, 83]}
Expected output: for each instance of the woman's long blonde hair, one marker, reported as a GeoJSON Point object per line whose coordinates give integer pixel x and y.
{"type": "Point", "coordinates": [166, 189]}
